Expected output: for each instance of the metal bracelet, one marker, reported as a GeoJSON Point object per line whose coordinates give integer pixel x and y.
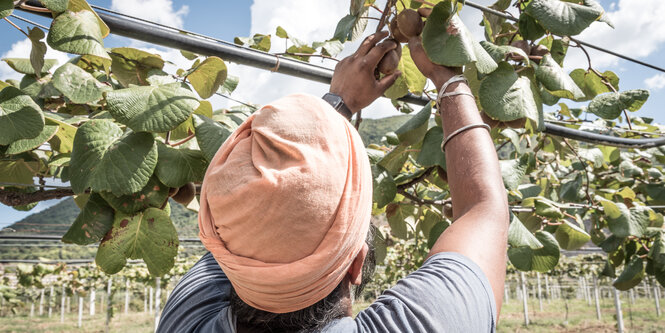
{"type": "Point", "coordinates": [460, 130]}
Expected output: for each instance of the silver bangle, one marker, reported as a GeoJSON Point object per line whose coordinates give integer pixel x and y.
{"type": "Point", "coordinates": [442, 91]}
{"type": "Point", "coordinates": [460, 130]}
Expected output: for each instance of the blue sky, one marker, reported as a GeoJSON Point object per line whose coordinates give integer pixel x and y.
{"type": "Point", "coordinates": [639, 33]}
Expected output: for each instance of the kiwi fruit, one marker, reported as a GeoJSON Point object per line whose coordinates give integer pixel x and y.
{"type": "Point", "coordinates": [396, 33]}
{"type": "Point", "coordinates": [522, 44]}
{"type": "Point", "coordinates": [539, 51]}
{"type": "Point", "coordinates": [390, 60]}
{"type": "Point", "coordinates": [172, 191]}
{"type": "Point", "coordinates": [185, 194]}
{"type": "Point", "coordinates": [410, 23]}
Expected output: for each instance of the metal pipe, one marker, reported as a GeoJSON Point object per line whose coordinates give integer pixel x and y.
{"type": "Point", "coordinates": [57, 238]}
{"type": "Point", "coordinates": [246, 56]}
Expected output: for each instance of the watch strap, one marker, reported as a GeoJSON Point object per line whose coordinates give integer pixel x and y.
{"type": "Point", "coordinates": [337, 103]}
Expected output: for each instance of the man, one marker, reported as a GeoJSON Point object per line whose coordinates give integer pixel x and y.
{"type": "Point", "coordinates": [285, 210]}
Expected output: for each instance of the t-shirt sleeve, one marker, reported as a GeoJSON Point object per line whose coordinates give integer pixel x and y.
{"type": "Point", "coordinates": [200, 301]}
{"type": "Point", "coordinates": [449, 293]}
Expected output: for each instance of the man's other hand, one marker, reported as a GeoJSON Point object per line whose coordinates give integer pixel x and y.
{"type": "Point", "coordinates": [354, 78]}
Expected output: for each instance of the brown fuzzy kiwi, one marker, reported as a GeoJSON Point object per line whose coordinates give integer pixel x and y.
{"type": "Point", "coordinates": [185, 194]}
{"type": "Point", "coordinates": [424, 11]}
{"type": "Point", "coordinates": [172, 191]}
{"type": "Point", "coordinates": [517, 123]}
{"type": "Point", "coordinates": [522, 44]}
{"type": "Point", "coordinates": [538, 51]}
{"type": "Point", "coordinates": [396, 33]}
{"type": "Point", "coordinates": [390, 60]}
{"type": "Point", "coordinates": [409, 23]}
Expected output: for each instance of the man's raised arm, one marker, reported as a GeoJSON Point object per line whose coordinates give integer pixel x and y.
{"type": "Point", "coordinates": [480, 208]}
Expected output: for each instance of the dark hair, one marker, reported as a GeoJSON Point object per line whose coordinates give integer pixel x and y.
{"type": "Point", "coordinates": [310, 319]}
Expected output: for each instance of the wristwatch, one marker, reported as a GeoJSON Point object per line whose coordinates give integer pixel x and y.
{"type": "Point", "coordinates": [337, 103]}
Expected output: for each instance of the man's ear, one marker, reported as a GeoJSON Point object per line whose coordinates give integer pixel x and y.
{"type": "Point", "coordinates": [356, 269]}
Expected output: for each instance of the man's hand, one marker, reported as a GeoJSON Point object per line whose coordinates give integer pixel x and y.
{"type": "Point", "coordinates": [437, 73]}
{"type": "Point", "coordinates": [354, 78]}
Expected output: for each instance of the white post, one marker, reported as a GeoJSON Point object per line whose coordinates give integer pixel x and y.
{"type": "Point", "coordinates": [631, 295]}
{"type": "Point", "coordinates": [69, 304]}
{"type": "Point", "coordinates": [525, 295]}
{"type": "Point", "coordinates": [50, 302]}
{"type": "Point", "coordinates": [109, 303]}
{"type": "Point", "coordinates": [41, 303]}
{"type": "Point", "coordinates": [80, 299]}
{"type": "Point", "coordinates": [596, 297]}
{"type": "Point", "coordinates": [32, 309]}
{"type": "Point", "coordinates": [126, 295]}
{"type": "Point", "coordinates": [62, 305]}
{"type": "Point", "coordinates": [158, 295]}
{"type": "Point", "coordinates": [548, 293]}
{"type": "Point", "coordinates": [145, 299]}
{"type": "Point", "coordinates": [540, 291]}
{"type": "Point", "coordinates": [656, 297]}
{"type": "Point", "coordinates": [617, 306]}
{"type": "Point", "coordinates": [645, 285]}
{"type": "Point", "coordinates": [505, 293]}
{"type": "Point", "coordinates": [101, 303]}
{"type": "Point", "coordinates": [152, 294]}
{"type": "Point", "coordinates": [92, 301]}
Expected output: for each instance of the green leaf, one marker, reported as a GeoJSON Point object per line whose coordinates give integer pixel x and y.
{"type": "Point", "coordinates": [609, 106]}
{"type": "Point", "coordinates": [23, 145]}
{"type": "Point", "coordinates": [505, 96]}
{"type": "Point", "coordinates": [520, 236]}
{"type": "Point", "coordinates": [18, 171]}
{"type": "Point", "coordinates": [595, 5]}
{"type": "Point", "coordinates": [541, 260]}
{"type": "Point", "coordinates": [208, 76]}
{"type": "Point", "coordinates": [513, 171]}
{"type": "Point", "coordinates": [20, 117]}
{"type": "Point", "coordinates": [152, 108]}
{"type": "Point", "coordinates": [210, 135]}
{"type": "Point", "coordinates": [78, 33]}
{"type": "Point", "coordinates": [229, 85]}
{"type": "Point", "coordinates": [563, 18]}
{"type": "Point", "coordinates": [448, 42]}
{"type": "Point", "coordinates": [131, 66]}
{"type": "Point", "coordinates": [411, 79]}
{"type": "Point", "coordinates": [24, 66]}
{"type": "Point", "coordinates": [544, 207]}
{"type": "Point", "coordinates": [153, 194]}
{"type": "Point", "coordinates": [632, 275]}
{"type": "Point", "coordinates": [571, 236]}
{"type": "Point", "coordinates": [189, 55]}
{"type": "Point", "coordinates": [258, 42]}
{"type": "Point", "coordinates": [591, 84]}
{"type": "Point", "coordinates": [350, 27]}
{"type": "Point", "coordinates": [398, 217]}
{"type": "Point", "coordinates": [415, 128]}
{"type": "Point", "coordinates": [657, 251]}
{"type": "Point", "coordinates": [431, 219]}
{"type": "Point", "coordinates": [436, 232]}
{"type": "Point", "coordinates": [63, 140]}
{"type": "Point", "coordinates": [281, 33]}
{"type": "Point", "coordinates": [56, 6]}
{"type": "Point", "coordinates": [394, 160]}
{"type": "Point", "coordinates": [500, 52]}
{"type": "Point", "coordinates": [105, 159]}
{"type": "Point", "coordinates": [330, 47]}
{"type": "Point", "coordinates": [384, 186]}
{"type": "Point", "coordinates": [79, 5]}
{"type": "Point", "coordinates": [38, 49]}
{"type": "Point", "coordinates": [555, 79]}
{"type": "Point", "coordinates": [570, 189]}
{"type": "Point", "coordinates": [623, 221]}
{"type": "Point", "coordinates": [6, 8]}
{"type": "Point", "coordinates": [149, 235]}
{"type": "Point", "coordinates": [530, 29]}
{"type": "Point", "coordinates": [431, 153]}
{"type": "Point", "coordinates": [78, 85]}
{"type": "Point", "coordinates": [177, 167]}
{"type": "Point", "coordinates": [94, 221]}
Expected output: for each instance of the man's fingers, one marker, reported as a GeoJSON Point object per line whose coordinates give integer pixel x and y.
{"type": "Point", "coordinates": [388, 81]}
{"type": "Point", "coordinates": [376, 53]}
{"type": "Point", "coordinates": [370, 41]}
{"type": "Point", "coordinates": [424, 11]}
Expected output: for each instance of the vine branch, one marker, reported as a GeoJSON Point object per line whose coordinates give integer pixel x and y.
{"type": "Point", "coordinates": [16, 26]}
{"type": "Point", "coordinates": [416, 180]}
{"type": "Point", "coordinates": [14, 198]}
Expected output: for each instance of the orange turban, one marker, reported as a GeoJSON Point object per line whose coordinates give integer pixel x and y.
{"type": "Point", "coordinates": [286, 203]}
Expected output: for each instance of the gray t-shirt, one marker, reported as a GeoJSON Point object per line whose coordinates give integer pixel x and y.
{"type": "Point", "coordinates": [449, 293]}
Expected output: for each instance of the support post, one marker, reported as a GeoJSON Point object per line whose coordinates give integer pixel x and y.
{"type": "Point", "coordinates": [41, 303]}
{"type": "Point", "coordinates": [525, 296]}
{"type": "Point", "coordinates": [596, 297]}
{"type": "Point", "coordinates": [617, 307]}
{"type": "Point", "coordinates": [50, 302]}
{"type": "Point", "coordinates": [540, 291]}
{"type": "Point", "coordinates": [656, 297]}
{"type": "Point", "coordinates": [152, 296]}
{"type": "Point", "coordinates": [126, 295]}
{"type": "Point", "coordinates": [92, 301]}
{"type": "Point", "coordinates": [62, 305]}
{"type": "Point", "coordinates": [109, 303]}
{"type": "Point", "coordinates": [548, 293]}
{"type": "Point", "coordinates": [145, 299]}
{"type": "Point", "coordinates": [158, 295]}
{"type": "Point", "coordinates": [80, 301]}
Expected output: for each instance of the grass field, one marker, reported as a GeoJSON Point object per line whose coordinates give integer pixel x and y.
{"type": "Point", "coordinates": [638, 317]}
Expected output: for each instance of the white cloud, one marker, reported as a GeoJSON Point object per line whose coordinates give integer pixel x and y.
{"type": "Point", "coordinates": [655, 82]}
{"type": "Point", "coordinates": [21, 49]}
{"type": "Point", "coordinates": [160, 11]}
{"type": "Point", "coordinates": [638, 33]}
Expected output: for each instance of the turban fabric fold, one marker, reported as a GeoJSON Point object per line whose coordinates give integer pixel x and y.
{"type": "Point", "coordinates": [286, 203]}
